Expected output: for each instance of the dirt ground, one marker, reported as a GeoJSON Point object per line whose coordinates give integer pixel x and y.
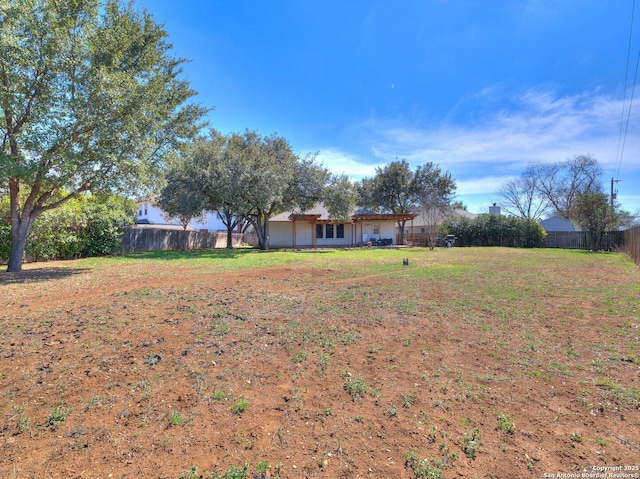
{"type": "Point", "coordinates": [303, 372]}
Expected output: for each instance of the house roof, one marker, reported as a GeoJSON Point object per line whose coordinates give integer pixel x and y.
{"type": "Point", "coordinates": [556, 223]}
{"type": "Point", "coordinates": [427, 219]}
{"type": "Point", "coordinates": [319, 214]}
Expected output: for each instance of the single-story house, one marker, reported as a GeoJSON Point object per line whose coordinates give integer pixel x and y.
{"type": "Point", "coordinates": [315, 229]}
{"type": "Point", "coordinates": [557, 223]}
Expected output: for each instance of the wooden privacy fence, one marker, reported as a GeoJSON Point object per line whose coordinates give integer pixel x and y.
{"type": "Point", "coordinates": [151, 239]}
{"type": "Point", "coordinates": [566, 239]}
{"type": "Point", "coordinates": [580, 240]}
{"type": "Point", "coordinates": [632, 243]}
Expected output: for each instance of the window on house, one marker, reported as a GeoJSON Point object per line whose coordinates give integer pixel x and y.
{"type": "Point", "coordinates": [376, 229]}
{"type": "Point", "coordinates": [329, 231]}
{"type": "Point", "coordinates": [145, 210]}
{"type": "Point", "coordinates": [319, 231]}
{"type": "Point", "coordinates": [340, 231]}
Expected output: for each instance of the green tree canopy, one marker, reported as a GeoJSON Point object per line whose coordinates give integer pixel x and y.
{"type": "Point", "coordinates": [594, 214]}
{"type": "Point", "coordinates": [216, 176]}
{"type": "Point", "coordinates": [179, 199]}
{"type": "Point", "coordinates": [397, 189]}
{"type": "Point", "coordinates": [247, 176]}
{"type": "Point", "coordinates": [90, 99]}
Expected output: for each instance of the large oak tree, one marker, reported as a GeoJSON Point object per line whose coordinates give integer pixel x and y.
{"type": "Point", "coordinates": [397, 189]}
{"type": "Point", "coordinates": [90, 99]}
{"type": "Point", "coordinates": [251, 177]}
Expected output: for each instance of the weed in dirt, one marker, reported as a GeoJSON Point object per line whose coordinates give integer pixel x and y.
{"type": "Point", "coordinates": [423, 468]}
{"type": "Point", "coordinates": [22, 421]}
{"type": "Point", "coordinates": [374, 349]}
{"type": "Point", "coordinates": [219, 395]}
{"type": "Point", "coordinates": [141, 386]}
{"type": "Point", "coordinates": [263, 467]}
{"type": "Point", "coordinates": [624, 394]}
{"type": "Point", "coordinates": [408, 399]}
{"type": "Point", "coordinates": [355, 387]}
{"type": "Point", "coordinates": [323, 363]}
{"type": "Point", "coordinates": [240, 405]}
{"type": "Point", "coordinates": [94, 402]}
{"type": "Point", "coordinates": [561, 368]}
{"type": "Point", "coordinates": [349, 338]}
{"type": "Point", "coordinates": [190, 474]}
{"type": "Point", "coordinates": [601, 442]}
{"type": "Point", "coordinates": [233, 473]}
{"type": "Point", "coordinates": [176, 418]}
{"type": "Point", "coordinates": [572, 353]}
{"type": "Point", "coordinates": [299, 357]}
{"type": "Point", "coordinates": [58, 415]}
{"type": "Point", "coordinates": [576, 437]}
{"type": "Point", "coordinates": [506, 423]}
{"type": "Point", "coordinates": [470, 441]}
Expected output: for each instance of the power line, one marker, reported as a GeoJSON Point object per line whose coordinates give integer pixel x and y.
{"type": "Point", "coordinates": [624, 140]}
{"type": "Point", "coordinates": [624, 96]}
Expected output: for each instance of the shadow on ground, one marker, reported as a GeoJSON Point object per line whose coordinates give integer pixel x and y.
{"type": "Point", "coordinates": [38, 275]}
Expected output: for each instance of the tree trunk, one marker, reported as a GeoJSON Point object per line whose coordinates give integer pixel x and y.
{"type": "Point", "coordinates": [264, 226]}
{"type": "Point", "coordinates": [401, 225]}
{"type": "Point", "coordinates": [19, 231]}
{"type": "Point", "coordinates": [260, 222]}
{"type": "Point", "coordinates": [229, 237]}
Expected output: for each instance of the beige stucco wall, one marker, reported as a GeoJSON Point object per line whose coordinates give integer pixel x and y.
{"type": "Point", "coordinates": [281, 234]}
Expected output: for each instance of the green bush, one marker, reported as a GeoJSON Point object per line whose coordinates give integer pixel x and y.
{"type": "Point", "coordinates": [90, 225]}
{"type": "Point", "coordinates": [494, 230]}
{"type": "Point", "coordinates": [107, 219]}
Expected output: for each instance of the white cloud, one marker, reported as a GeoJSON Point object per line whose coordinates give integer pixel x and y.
{"type": "Point", "coordinates": [537, 126]}
{"type": "Point", "coordinates": [342, 163]}
{"type": "Point", "coordinates": [481, 185]}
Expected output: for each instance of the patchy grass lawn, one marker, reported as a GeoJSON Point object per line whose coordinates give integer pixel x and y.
{"type": "Point", "coordinates": [468, 362]}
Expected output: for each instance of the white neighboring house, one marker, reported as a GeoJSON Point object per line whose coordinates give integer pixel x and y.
{"type": "Point", "coordinates": [556, 223]}
{"type": "Point", "coordinates": [150, 216]}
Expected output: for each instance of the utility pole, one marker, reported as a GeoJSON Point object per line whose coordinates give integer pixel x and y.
{"type": "Point", "coordinates": [613, 193]}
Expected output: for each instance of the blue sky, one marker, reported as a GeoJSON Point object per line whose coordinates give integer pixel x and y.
{"type": "Point", "coordinates": [481, 88]}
